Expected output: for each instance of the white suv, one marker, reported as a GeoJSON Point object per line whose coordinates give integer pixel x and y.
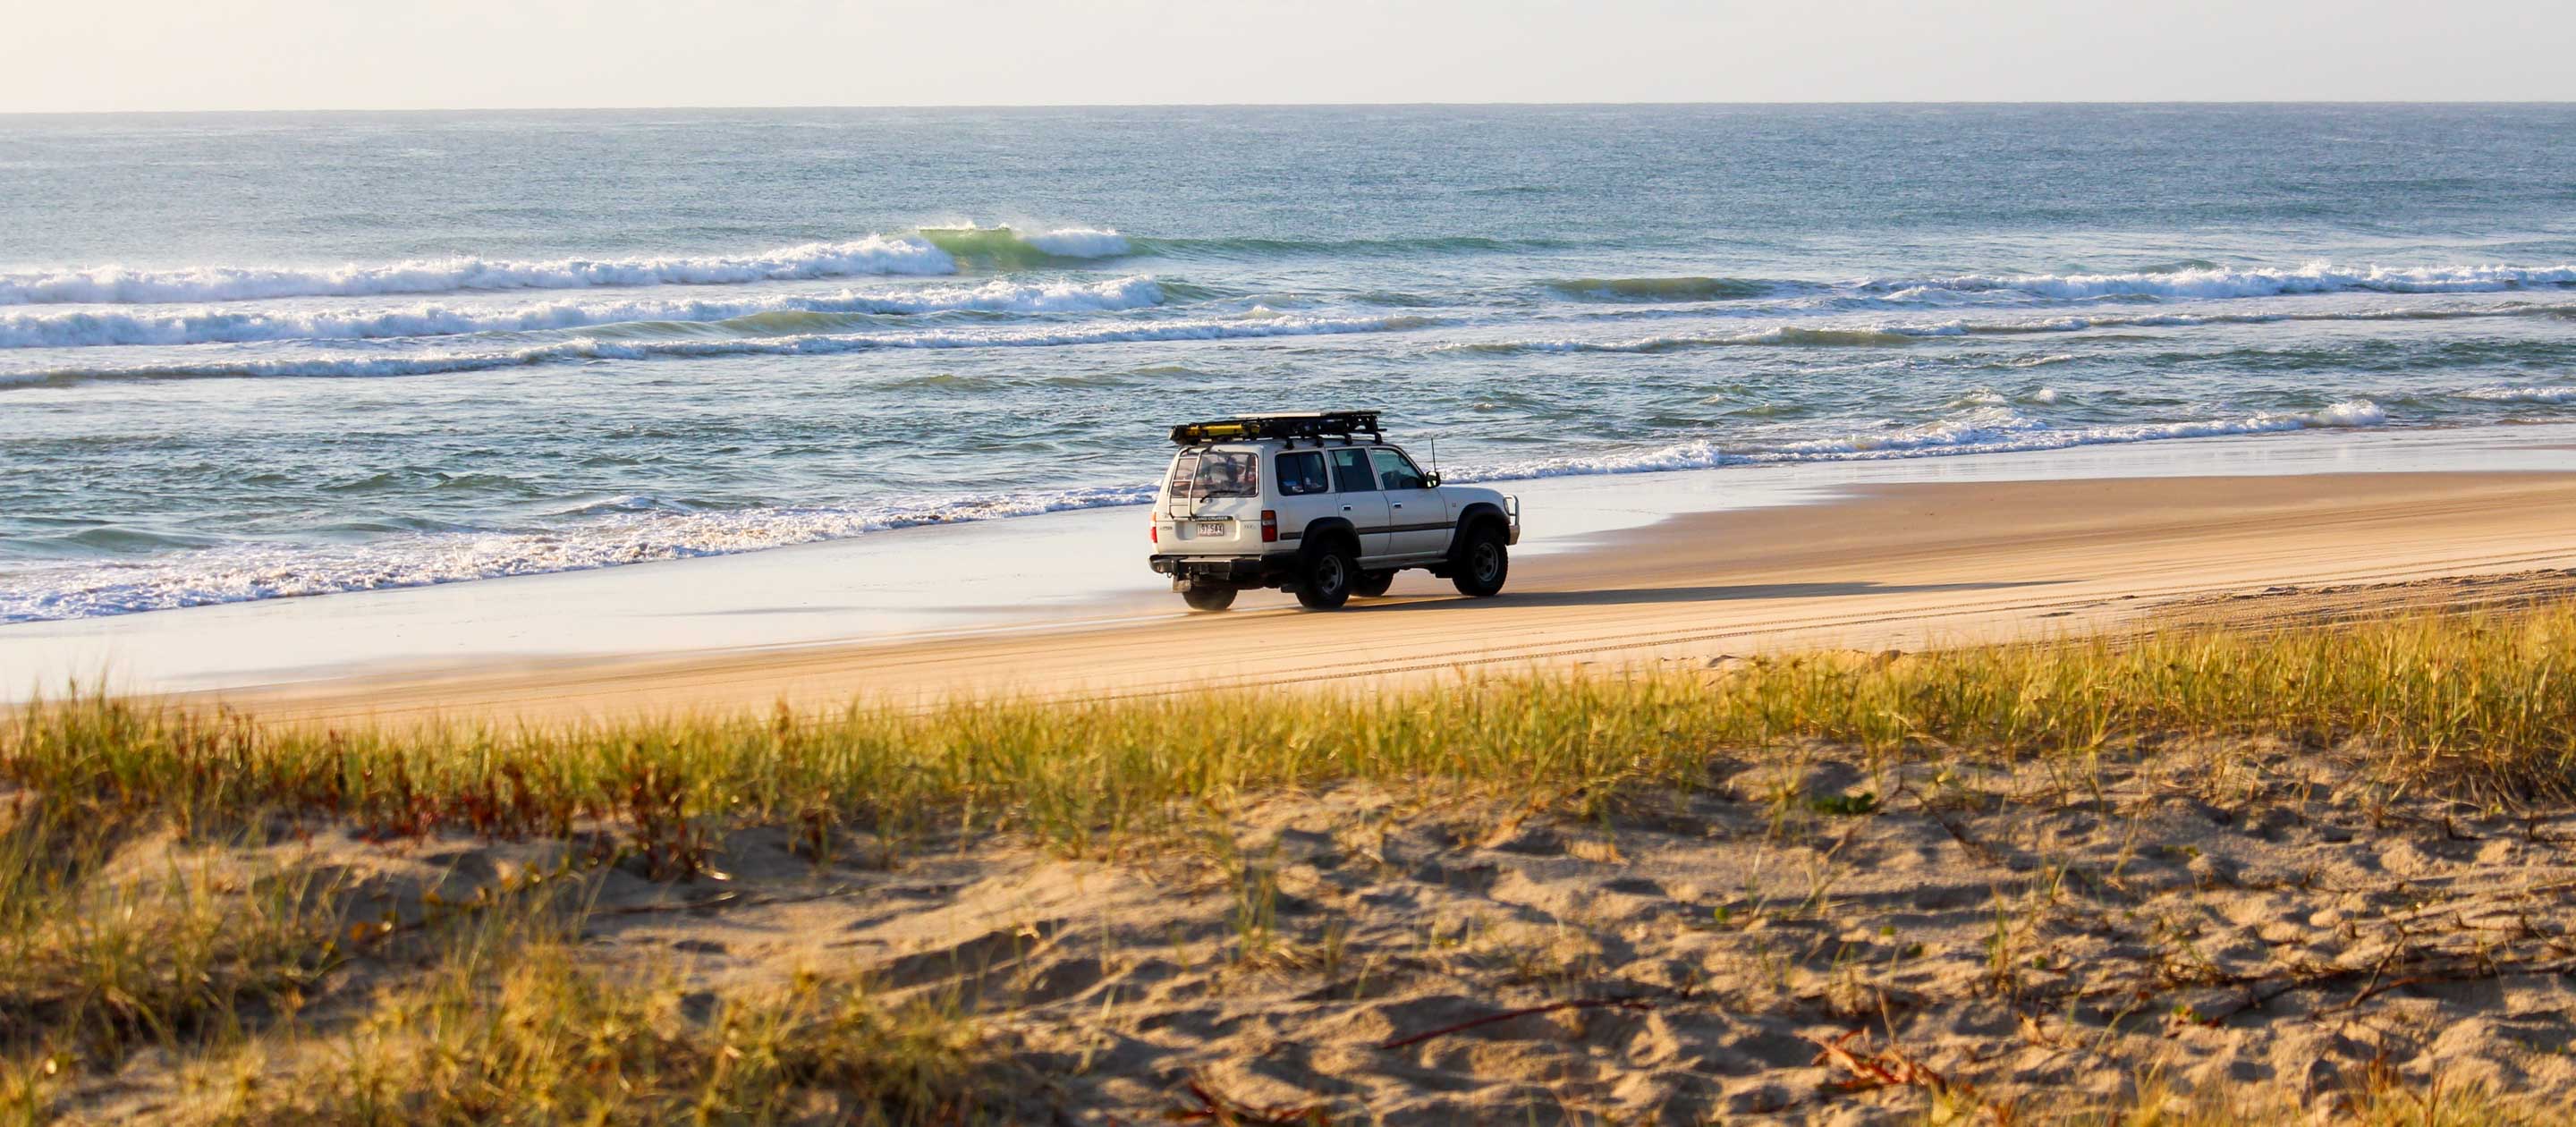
{"type": "Point", "coordinates": [1319, 504]}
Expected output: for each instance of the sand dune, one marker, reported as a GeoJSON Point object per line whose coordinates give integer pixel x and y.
{"type": "Point", "coordinates": [1809, 938]}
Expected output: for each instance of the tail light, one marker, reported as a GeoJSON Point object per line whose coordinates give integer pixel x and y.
{"type": "Point", "coordinates": [1269, 526]}
{"type": "Point", "coordinates": [1154, 531]}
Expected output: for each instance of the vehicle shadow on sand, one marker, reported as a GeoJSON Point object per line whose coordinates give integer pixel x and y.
{"type": "Point", "coordinates": [1642, 595]}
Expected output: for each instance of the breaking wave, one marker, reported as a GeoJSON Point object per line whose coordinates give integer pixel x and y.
{"type": "Point", "coordinates": [1897, 335]}
{"type": "Point", "coordinates": [2522, 394]}
{"type": "Point", "coordinates": [219, 325]}
{"type": "Point", "coordinates": [930, 251]}
{"type": "Point", "coordinates": [1984, 430]}
{"type": "Point", "coordinates": [2219, 282]}
{"type": "Point", "coordinates": [2190, 281]}
{"type": "Point", "coordinates": [1390, 247]}
{"type": "Point", "coordinates": [946, 250]}
{"type": "Point", "coordinates": [1007, 247]}
{"type": "Point", "coordinates": [634, 530]}
{"type": "Point", "coordinates": [117, 285]}
{"type": "Point", "coordinates": [812, 344]}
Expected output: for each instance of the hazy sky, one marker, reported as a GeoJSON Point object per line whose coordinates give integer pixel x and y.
{"type": "Point", "coordinates": [60, 55]}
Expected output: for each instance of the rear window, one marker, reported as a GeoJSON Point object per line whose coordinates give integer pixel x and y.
{"type": "Point", "coordinates": [1302, 473]}
{"type": "Point", "coordinates": [1217, 473]}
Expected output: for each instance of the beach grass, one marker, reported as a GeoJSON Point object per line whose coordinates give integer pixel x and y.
{"type": "Point", "coordinates": [488, 1015]}
{"type": "Point", "coordinates": [210, 951]}
{"type": "Point", "coordinates": [2481, 702]}
{"type": "Point", "coordinates": [501, 1030]}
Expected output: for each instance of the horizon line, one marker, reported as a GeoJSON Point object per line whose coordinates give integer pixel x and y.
{"type": "Point", "coordinates": [810, 107]}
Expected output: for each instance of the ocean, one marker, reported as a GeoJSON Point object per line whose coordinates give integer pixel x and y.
{"type": "Point", "coordinates": [266, 355]}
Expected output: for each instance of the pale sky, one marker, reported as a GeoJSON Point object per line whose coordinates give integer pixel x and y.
{"type": "Point", "coordinates": [61, 55]}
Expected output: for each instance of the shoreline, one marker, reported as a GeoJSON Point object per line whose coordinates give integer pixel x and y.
{"type": "Point", "coordinates": [839, 617]}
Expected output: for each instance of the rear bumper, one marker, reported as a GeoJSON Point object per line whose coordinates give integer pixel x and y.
{"type": "Point", "coordinates": [1268, 570]}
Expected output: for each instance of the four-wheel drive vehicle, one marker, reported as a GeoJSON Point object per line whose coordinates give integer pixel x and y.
{"type": "Point", "coordinates": [1321, 505]}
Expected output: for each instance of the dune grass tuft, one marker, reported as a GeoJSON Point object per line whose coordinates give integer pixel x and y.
{"type": "Point", "coordinates": [2374, 1099]}
{"type": "Point", "coordinates": [504, 1031]}
{"type": "Point", "coordinates": [96, 961]}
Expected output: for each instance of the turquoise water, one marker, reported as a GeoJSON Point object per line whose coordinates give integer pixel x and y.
{"type": "Point", "coordinates": [264, 355]}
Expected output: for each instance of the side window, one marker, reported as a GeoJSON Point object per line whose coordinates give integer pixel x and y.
{"type": "Point", "coordinates": [1395, 471]}
{"type": "Point", "coordinates": [1302, 473]}
{"type": "Point", "coordinates": [1351, 471]}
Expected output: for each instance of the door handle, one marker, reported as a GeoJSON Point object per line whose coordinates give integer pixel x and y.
{"type": "Point", "coordinates": [1399, 504]}
{"type": "Point", "coordinates": [1346, 508]}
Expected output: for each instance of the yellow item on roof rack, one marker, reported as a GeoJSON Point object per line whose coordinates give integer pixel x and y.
{"type": "Point", "coordinates": [1302, 424]}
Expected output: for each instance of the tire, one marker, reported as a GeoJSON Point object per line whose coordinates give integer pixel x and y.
{"type": "Point", "coordinates": [1372, 584]}
{"type": "Point", "coordinates": [1327, 577]}
{"type": "Point", "coordinates": [1481, 562]}
{"type": "Point", "coordinates": [1203, 597]}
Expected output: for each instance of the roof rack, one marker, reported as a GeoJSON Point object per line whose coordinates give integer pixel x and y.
{"type": "Point", "coordinates": [1297, 424]}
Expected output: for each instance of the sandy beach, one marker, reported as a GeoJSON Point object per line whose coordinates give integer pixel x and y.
{"type": "Point", "coordinates": [1050, 603]}
{"type": "Point", "coordinates": [1904, 566]}
{"type": "Point", "coordinates": [1613, 569]}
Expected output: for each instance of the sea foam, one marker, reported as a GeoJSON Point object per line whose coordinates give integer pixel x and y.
{"type": "Point", "coordinates": [2552, 395]}
{"type": "Point", "coordinates": [871, 255]}
{"type": "Point", "coordinates": [806, 344]}
{"type": "Point", "coordinates": [1983, 430]}
{"type": "Point", "coordinates": [628, 533]}
{"type": "Point", "coordinates": [2219, 282]}
{"type": "Point", "coordinates": [2211, 282]}
{"type": "Point", "coordinates": [226, 325]}
{"type": "Point", "coordinates": [1080, 242]}
{"type": "Point", "coordinates": [1900, 333]}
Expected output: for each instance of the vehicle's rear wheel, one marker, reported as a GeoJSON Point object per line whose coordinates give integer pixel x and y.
{"type": "Point", "coordinates": [1373, 584]}
{"type": "Point", "coordinates": [1481, 563]}
{"type": "Point", "coordinates": [1201, 596]}
{"type": "Point", "coordinates": [1330, 572]}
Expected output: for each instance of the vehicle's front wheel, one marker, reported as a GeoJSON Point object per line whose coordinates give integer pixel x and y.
{"type": "Point", "coordinates": [1373, 584]}
{"type": "Point", "coordinates": [1481, 563]}
{"type": "Point", "coordinates": [1200, 596]}
{"type": "Point", "coordinates": [1329, 576]}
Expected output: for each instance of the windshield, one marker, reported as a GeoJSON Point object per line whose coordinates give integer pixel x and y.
{"type": "Point", "coordinates": [1217, 473]}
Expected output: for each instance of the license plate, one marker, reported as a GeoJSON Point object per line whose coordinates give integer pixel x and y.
{"type": "Point", "coordinates": [1212, 528]}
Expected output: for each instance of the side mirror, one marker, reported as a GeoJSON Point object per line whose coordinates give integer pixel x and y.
{"type": "Point", "coordinates": [1431, 481]}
